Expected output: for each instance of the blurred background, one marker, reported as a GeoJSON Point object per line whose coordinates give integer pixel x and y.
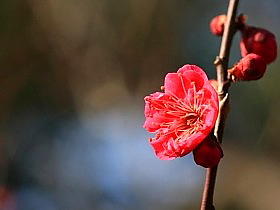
{"type": "Point", "coordinates": [72, 80]}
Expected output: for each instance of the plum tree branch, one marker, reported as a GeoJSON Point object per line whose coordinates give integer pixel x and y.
{"type": "Point", "coordinates": [221, 63]}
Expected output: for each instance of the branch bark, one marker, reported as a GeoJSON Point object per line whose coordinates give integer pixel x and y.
{"type": "Point", "coordinates": [221, 63]}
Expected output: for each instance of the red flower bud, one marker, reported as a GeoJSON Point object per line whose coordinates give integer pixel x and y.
{"type": "Point", "coordinates": [217, 25]}
{"type": "Point", "coordinates": [208, 153]}
{"type": "Point", "coordinates": [259, 41]}
{"type": "Point", "coordinates": [251, 67]}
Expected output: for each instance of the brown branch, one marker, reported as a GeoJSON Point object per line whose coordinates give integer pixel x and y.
{"type": "Point", "coordinates": [221, 63]}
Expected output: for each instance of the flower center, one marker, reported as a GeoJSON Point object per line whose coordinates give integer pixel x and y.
{"type": "Point", "coordinates": [190, 123]}
{"type": "Point", "coordinates": [191, 119]}
{"type": "Point", "coordinates": [182, 117]}
{"type": "Point", "coordinates": [190, 112]}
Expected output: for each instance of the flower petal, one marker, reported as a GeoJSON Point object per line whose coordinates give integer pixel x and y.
{"type": "Point", "coordinates": [194, 69]}
{"type": "Point", "coordinates": [155, 112]}
{"type": "Point", "coordinates": [176, 85]}
{"type": "Point", "coordinates": [162, 147]}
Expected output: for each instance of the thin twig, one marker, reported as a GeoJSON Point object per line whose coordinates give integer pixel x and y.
{"type": "Point", "coordinates": [223, 86]}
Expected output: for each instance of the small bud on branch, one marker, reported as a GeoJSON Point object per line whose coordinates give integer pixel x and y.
{"type": "Point", "coordinates": [251, 67]}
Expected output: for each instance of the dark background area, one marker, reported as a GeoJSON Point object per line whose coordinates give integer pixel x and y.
{"type": "Point", "coordinates": [72, 80]}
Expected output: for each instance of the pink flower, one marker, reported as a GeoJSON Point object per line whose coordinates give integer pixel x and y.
{"type": "Point", "coordinates": [183, 115]}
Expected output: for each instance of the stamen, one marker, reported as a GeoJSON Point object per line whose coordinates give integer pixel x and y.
{"type": "Point", "coordinates": [182, 82]}
{"type": "Point", "coordinates": [184, 116]}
